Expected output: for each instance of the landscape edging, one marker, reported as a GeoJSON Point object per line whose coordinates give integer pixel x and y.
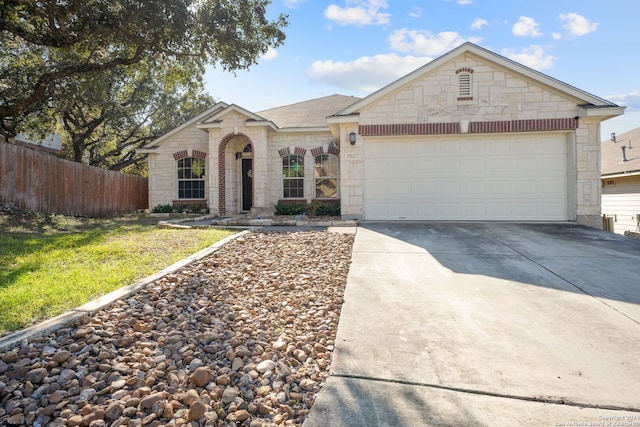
{"type": "Point", "coordinates": [51, 325]}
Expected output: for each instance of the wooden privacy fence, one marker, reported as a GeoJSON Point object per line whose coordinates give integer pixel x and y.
{"type": "Point", "coordinates": [41, 182]}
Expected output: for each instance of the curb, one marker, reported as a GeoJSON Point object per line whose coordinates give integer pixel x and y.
{"type": "Point", "coordinates": [89, 309]}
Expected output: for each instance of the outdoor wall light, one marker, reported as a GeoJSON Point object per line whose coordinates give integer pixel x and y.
{"type": "Point", "coordinates": [352, 138]}
{"type": "Point", "coordinates": [238, 155]}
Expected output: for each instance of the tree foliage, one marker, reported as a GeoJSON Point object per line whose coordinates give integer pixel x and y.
{"type": "Point", "coordinates": [103, 117]}
{"type": "Point", "coordinates": [49, 48]}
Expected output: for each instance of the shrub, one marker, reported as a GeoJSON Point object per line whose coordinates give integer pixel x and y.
{"type": "Point", "coordinates": [290, 209]}
{"type": "Point", "coordinates": [328, 210]}
{"type": "Point", "coordinates": [162, 209]}
{"type": "Point", "coordinates": [315, 208]}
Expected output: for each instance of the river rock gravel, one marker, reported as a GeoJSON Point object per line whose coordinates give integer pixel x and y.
{"type": "Point", "coordinates": [242, 337]}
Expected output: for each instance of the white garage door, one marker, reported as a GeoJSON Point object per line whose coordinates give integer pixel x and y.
{"type": "Point", "coordinates": [471, 178]}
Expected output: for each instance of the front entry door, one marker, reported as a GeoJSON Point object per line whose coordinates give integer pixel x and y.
{"type": "Point", "coordinates": [247, 184]}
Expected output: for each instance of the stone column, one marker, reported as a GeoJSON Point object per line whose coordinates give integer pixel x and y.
{"type": "Point", "coordinates": [588, 184]}
{"type": "Point", "coordinates": [351, 173]}
{"type": "Point", "coordinates": [260, 173]}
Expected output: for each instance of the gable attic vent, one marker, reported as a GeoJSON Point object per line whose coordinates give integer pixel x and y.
{"type": "Point", "coordinates": [464, 84]}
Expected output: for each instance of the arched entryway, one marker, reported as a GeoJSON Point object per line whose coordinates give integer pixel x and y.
{"type": "Point", "coordinates": [235, 174]}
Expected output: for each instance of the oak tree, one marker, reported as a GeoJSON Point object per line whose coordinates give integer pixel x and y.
{"type": "Point", "coordinates": [49, 45]}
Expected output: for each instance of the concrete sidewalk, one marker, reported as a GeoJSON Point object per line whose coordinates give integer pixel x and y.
{"type": "Point", "coordinates": [486, 324]}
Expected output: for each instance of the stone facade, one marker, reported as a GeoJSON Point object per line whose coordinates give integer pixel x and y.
{"type": "Point", "coordinates": [503, 98]}
{"type": "Point", "coordinates": [502, 101]}
{"type": "Point", "coordinates": [163, 171]}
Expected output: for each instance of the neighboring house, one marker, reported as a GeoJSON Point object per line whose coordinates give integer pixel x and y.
{"type": "Point", "coordinates": [51, 144]}
{"type": "Point", "coordinates": [469, 136]}
{"type": "Point", "coordinates": [621, 181]}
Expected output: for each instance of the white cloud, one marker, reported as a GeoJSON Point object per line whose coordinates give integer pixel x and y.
{"type": "Point", "coordinates": [293, 4]}
{"type": "Point", "coordinates": [423, 42]}
{"type": "Point", "coordinates": [478, 23]}
{"type": "Point", "coordinates": [533, 57]}
{"type": "Point", "coordinates": [578, 25]}
{"type": "Point", "coordinates": [526, 27]}
{"type": "Point", "coordinates": [631, 99]}
{"type": "Point", "coordinates": [359, 13]}
{"type": "Point", "coordinates": [556, 36]}
{"type": "Point", "coordinates": [270, 55]}
{"type": "Point", "coordinates": [464, 2]}
{"type": "Point", "coordinates": [416, 12]}
{"type": "Point", "coordinates": [365, 74]}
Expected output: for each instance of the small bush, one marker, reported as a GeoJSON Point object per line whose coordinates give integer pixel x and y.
{"type": "Point", "coordinates": [290, 209]}
{"type": "Point", "coordinates": [162, 209]}
{"type": "Point", "coordinates": [328, 210]}
{"type": "Point", "coordinates": [315, 208]}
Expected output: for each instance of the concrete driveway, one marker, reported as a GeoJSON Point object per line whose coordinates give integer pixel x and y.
{"type": "Point", "coordinates": [486, 324]}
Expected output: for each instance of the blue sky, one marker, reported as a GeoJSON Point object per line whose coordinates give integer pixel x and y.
{"type": "Point", "coordinates": [354, 47]}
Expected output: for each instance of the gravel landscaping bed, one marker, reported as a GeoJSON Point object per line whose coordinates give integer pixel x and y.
{"type": "Point", "coordinates": [240, 338]}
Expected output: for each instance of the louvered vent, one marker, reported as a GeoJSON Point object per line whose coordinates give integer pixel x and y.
{"type": "Point", "coordinates": [464, 83]}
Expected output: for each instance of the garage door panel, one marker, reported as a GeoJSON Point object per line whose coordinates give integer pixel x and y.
{"type": "Point", "coordinates": [377, 189]}
{"type": "Point", "coordinates": [426, 188]}
{"type": "Point", "coordinates": [551, 188]}
{"type": "Point", "coordinates": [426, 209]}
{"type": "Point", "coordinates": [476, 188]}
{"type": "Point", "coordinates": [498, 188]}
{"type": "Point", "coordinates": [399, 168]}
{"type": "Point", "coordinates": [402, 190]}
{"type": "Point", "coordinates": [449, 189]}
{"type": "Point", "coordinates": [527, 166]}
{"type": "Point", "coordinates": [476, 148]}
{"type": "Point", "coordinates": [499, 147]}
{"type": "Point", "coordinates": [476, 209]}
{"type": "Point", "coordinates": [451, 148]}
{"type": "Point", "coordinates": [448, 166]}
{"type": "Point", "coordinates": [482, 177]}
{"type": "Point", "coordinates": [402, 210]}
{"type": "Point", "coordinates": [474, 166]}
{"type": "Point", "coordinates": [450, 210]}
{"type": "Point", "coordinates": [500, 210]}
{"type": "Point", "coordinates": [527, 187]}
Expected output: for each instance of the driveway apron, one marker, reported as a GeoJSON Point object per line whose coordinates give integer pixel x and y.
{"type": "Point", "coordinates": [486, 324]}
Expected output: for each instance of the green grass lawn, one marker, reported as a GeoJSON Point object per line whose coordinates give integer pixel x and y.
{"type": "Point", "coordinates": [50, 264]}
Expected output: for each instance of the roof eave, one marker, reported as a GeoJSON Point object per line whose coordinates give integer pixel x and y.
{"type": "Point", "coordinates": [196, 119]}
{"type": "Point", "coordinates": [604, 112]}
{"type": "Point", "coordinates": [262, 123]}
{"type": "Point", "coordinates": [620, 174]}
{"type": "Point", "coordinates": [304, 129]}
{"type": "Point", "coordinates": [146, 150]}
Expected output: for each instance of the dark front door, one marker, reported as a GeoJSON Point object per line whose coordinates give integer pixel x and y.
{"type": "Point", "coordinates": [247, 184]}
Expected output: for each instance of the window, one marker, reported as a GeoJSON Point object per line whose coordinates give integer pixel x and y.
{"type": "Point", "coordinates": [326, 176]}
{"type": "Point", "coordinates": [464, 81]}
{"type": "Point", "coordinates": [293, 176]}
{"type": "Point", "coordinates": [190, 178]}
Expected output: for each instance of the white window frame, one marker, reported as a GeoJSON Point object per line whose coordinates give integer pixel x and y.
{"type": "Point", "coordinates": [321, 173]}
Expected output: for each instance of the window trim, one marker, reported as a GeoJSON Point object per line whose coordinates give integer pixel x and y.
{"type": "Point", "coordinates": [299, 176]}
{"type": "Point", "coordinates": [317, 178]}
{"type": "Point", "coordinates": [182, 192]}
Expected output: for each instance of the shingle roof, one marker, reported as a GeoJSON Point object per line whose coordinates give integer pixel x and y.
{"type": "Point", "coordinates": [312, 113]}
{"type": "Point", "coordinates": [612, 154]}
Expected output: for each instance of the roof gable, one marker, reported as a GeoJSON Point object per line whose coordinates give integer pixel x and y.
{"type": "Point", "coordinates": [468, 48]}
{"type": "Point", "coordinates": [220, 114]}
{"type": "Point", "coordinates": [216, 108]}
